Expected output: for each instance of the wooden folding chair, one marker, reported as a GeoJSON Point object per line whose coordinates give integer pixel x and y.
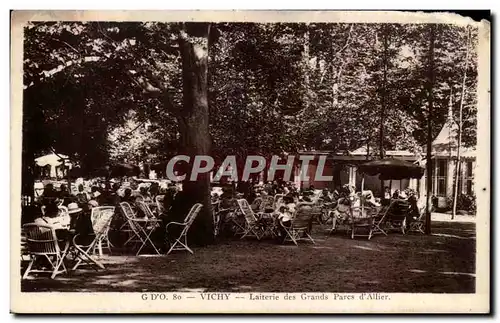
{"type": "Point", "coordinates": [379, 219]}
{"type": "Point", "coordinates": [181, 242]}
{"type": "Point", "coordinates": [267, 204]}
{"type": "Point", "coordinates": [418, 224]}
{"type": "Point", "coordinates": [231, 217]}
{"type": "Point", "coordinates": [42, 242]}
{"type": "Point", "coordinates": [340, 215]}
{"type": "Point", "coordinates": [140, 229]}
{"type": "Point", "coordinates": [96, 214]}
{"type": "Point", "coordinates": [253, 227]}
{"type": "Point", "coordinates": [127, 212]}
{"type": "Point", "coordinates": [278, 199]}
{"type": "Point", "coordinates": [396, 216]}
{"type": "Point", "coordinates": [300, 223]}
{"type": "Point", "coordinates": [101, 218]}
{"type": "Point", "coordinates": [141, 205]}
{"type": "Point", "coordinates": [364, 219]}
{"type": "Point", "coordinates": [256, 204]}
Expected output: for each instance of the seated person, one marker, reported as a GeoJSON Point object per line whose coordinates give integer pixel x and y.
{"type": "Point", "coordinates": [387, 193]}
{"type": "Point", "coordinates": [335, 193]}
{"type": "Point", "coordinates": [95, 194]}
{"type": "Point", "coordinates": [369, 199]}
{"type": "Point", "coordinates": [289, 202]}
{"type": "Point", "coordinates": [154, 190]}
{"type": "Point", "coordinates": [226, 198]}
{"type": "Point", "coordinates": [75, 212]}
{"type": "Point", "coordinates": [386, 197]}
{"type": "Point", "coordinates": [146, 197]}
{"type": "Point", "coordinates": [114, 198]}
{"type": "Point", "coordinates": [82, 197]}
{"type": "Point", "coordinates": [325, 196]}
{"type": "Point", "coordinates": [53, 217]}
{"type": "Point", "coordinates": [49, 195]}
{"type": "Point", "coordinates": [127, 197]}
{"type": "Point", "coordinates": [168, 199]}
{"type": "Point", "coordinates": [414, 213]}
{"type": "Point", "coordinates": [285, 216]}
{"type": "Point", "coordinates": [403, 195]}
{"type": "Point", "coordinates": [65, 196]}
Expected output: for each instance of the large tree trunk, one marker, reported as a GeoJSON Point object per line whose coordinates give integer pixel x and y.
{"type": "Point", "coordinates": [193, 118]}
{"type": "Point", "coordinates": [430, 87]}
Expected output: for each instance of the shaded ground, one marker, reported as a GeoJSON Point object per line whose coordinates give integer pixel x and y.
{"type": "Point", "coordinates": [441, 263]}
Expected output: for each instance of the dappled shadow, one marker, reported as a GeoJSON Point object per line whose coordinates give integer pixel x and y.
{"type": "Point", "coordinates": [397, 263]}
{"type": "Point", "coordinates": [366, 248]}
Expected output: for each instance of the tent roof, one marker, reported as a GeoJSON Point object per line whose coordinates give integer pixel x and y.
{"type": "Point", "coordinates": [50, 159]}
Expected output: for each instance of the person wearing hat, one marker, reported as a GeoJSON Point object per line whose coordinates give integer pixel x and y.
{"type": "Point", "coordinates": [74, 212]}
{"type": "Point", "coordinates": [54, 218]}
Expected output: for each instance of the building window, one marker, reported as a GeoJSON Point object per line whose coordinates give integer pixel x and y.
{"type": "Point", "coordinates": [440, 177]}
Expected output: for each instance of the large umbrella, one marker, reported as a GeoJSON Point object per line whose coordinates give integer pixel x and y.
{"type": "Point", "coordinates": [52, 161]}
{"type": "Point", "coordinates": [390, 168]}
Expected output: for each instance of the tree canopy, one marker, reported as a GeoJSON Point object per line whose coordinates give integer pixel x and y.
{"type": "Point", "coordinates": [288, 87]}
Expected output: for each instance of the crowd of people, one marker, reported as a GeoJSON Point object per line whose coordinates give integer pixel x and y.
{"type": "Point", "coordinates": [65, 209]}
{"type": "Point", "coordinates": [84, 196]}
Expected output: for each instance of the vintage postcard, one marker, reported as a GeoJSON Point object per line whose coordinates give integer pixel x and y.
{"type": "Point", "coordinates": [249, 162]}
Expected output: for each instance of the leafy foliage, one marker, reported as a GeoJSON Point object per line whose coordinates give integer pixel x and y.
{"type": "Point", "coordinates": [273, 88]}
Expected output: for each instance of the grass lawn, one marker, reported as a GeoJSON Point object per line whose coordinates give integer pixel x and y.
{"type": "Point", "coordinates": [441, 263]}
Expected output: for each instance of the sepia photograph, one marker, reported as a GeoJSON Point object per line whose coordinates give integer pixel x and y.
{"type": "Point", "coordinates": [250, 162]}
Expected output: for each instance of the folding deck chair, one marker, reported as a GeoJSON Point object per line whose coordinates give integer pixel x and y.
{"type": "Point", "coordinates": [300, 223]}
{"type": "Point", "coordinates": [253, 227]}
{"type": "Point", "coordinates": [232, 218]}
{"type": "Point", "coordinates": [365, 219]}
{"type": "Point", "coordinates": [278, 199]}
{"type": "Point", "coordinates": [140, 228]}
{"type": "Point", "coordinates": [417, 224]}
{"type": "Point", "coordinates": [96, 214]}
{"type": "Point", "coordinates": [396, 215]}
{"type": "Point", "coordinates": [101, 218]}
{"type": "Point", "coordinates": [267, 204]}
{"type": "Point", "coordinates": [256, 204]}
{"type": "Point", "coordinates": [141, 205]}
{"type": "Point", "coordinates": [379, 220]}
{"type": "Point", "coordinates": [181, 242]}
{"type": "Point", "coordinates": [42, 242]}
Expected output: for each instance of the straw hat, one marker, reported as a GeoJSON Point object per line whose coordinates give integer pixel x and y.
{"type": "Point", "coordinates": [73, 208]}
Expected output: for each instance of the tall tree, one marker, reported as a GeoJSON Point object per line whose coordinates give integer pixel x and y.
{"type": "Point", "coordinates": [430, 91]}
{"type": "Point", "coordinates": [193, 42]}
{"type": "Point", "coordinates": [460, 121]}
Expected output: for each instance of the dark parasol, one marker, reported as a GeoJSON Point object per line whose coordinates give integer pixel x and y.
{"type": "Point", "coordinates": [391, 168]}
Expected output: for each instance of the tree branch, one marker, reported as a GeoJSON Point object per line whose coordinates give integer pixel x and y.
{"type": "Point", "coordinates": [347, 42]}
